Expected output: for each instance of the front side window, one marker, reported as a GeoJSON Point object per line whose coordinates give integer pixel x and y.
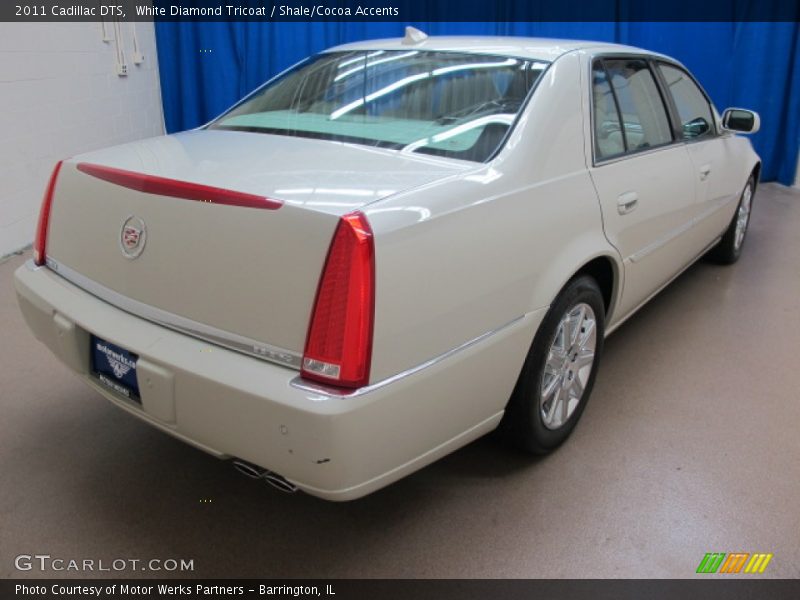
{"type": "Point", "coordinates": [640, 111]}
{"type": "Point", "coordinates": [693, 108]}
{"type": "Point", "coordinates": [444, 103]}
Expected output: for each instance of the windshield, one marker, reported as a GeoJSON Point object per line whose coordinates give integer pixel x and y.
{"type": "Point", "coordinates": [444, 103]}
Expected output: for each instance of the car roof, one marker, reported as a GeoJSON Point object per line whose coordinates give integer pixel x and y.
{"type": "Point", "coordinates": [544, 49]}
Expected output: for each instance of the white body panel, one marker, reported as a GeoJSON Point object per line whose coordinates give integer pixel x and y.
{"type": "Point", "coordinates": [468, 258]}
{"type": "Point", "coordinates": [719, 181]}
{"type": "Point", "coordinates": [651, 239]}
{"type": "Point", "coordinates": [265, 305]}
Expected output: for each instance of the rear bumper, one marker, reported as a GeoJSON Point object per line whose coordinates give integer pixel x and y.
{"type": "Point", "coordinates": [228, 404]}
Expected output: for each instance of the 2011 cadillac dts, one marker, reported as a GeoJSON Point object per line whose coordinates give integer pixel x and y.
{"type": "Point", "coordinates": [387, 251]}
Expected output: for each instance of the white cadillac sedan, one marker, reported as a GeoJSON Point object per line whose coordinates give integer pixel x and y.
{"type": "Point", "coordinates": [388, 251]}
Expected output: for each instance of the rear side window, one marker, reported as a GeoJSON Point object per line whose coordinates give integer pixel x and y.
{"type": "Point", "coordinates": [640, 112]}
{"type": "Point", "coordinates": [693, 107]}
{"type": "Point", "coordinates": [608, 137]}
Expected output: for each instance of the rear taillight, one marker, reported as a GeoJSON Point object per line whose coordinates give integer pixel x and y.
{"type": "Point", "coordinates": [175, 188]}
{"type": "Point", "coordinates": [339, 343]}
{"type": "Point", "coordinates": [40, 237]}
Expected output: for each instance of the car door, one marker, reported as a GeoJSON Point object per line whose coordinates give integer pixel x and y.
{"type": "Point", "coordinates": [715, 187]}
{"type": "Point", "coordinates": [643, 176]}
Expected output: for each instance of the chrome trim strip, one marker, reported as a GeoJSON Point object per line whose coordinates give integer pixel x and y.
{"type": "Point", "coordinates": [308, 386]}
{"type": "Point", "coordinates": [647, 250]}
{"type": "Point", "coordinates": [232, 341]}
{"type": "Point", "coordinates": [634, 310]}
{"type": "Point", "coordinates": [31, 266]}
{"type": "Point", "coordinates": [713, 209]}
{"type": "Point", "coordinates": [671, 235]}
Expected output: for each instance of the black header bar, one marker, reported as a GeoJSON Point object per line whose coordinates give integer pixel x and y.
{"type": "Point", "coordinates": [406, 11]}
{"type": "Point", "coordinates": [733, 588]}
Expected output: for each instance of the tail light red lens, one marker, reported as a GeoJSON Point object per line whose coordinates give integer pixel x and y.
{"type": "Point", "coordinates": [40, 237]}
{"type": "Point", "coordinates": [152, 184]}
{"type": "Point", "coordinates": [339, 343]}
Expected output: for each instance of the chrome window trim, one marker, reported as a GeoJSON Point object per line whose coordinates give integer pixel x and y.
{"type": "Point", "coordinates": [327, 391]}
{"type": "Point", "coordinates": [648, 58]}
{"type": "Point", "coordinates": [653, 60]}
{"type": "Point", "coordinates": [627, 155]}
{"type": "Point", "coordinates": [714, 112]}
{"type": "Point", "coordinates": [232, 341]}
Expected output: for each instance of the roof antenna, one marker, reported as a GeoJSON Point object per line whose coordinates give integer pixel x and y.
{"type": "Point", "coordinates": [414, 36]}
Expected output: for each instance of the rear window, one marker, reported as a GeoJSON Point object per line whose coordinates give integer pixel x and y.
{"type": "Point", "coordinates": [443, 103]}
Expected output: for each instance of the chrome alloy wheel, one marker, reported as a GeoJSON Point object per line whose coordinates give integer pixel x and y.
{"type": "Point", "coordinates": [743, 216]}
{"type": "Point", "coordinates": [568, 366]}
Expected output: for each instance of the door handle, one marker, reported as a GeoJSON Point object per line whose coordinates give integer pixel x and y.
{"type": "Point", "coordinates": [705, 171]}
{"type": "Point", "coordinates": [627, 202]}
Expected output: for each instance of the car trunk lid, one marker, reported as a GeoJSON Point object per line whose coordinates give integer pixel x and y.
{"type": "Point", "coordinates": [242, 273]}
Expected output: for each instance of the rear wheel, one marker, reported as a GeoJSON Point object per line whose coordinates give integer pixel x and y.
{"type": "Point", "coordinates": [729, 248]}
{"type": "Point", "coordinates": [559, 372]}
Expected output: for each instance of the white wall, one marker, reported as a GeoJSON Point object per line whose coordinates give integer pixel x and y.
{"type": "Point", "coordinates": [797, 173]}
{"type": "Point", "coordinates": [60, 95]}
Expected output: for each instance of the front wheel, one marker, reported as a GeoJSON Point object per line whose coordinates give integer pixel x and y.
{"type": "Point", "coordinates": [560, 369]}
{"type": "Point", "coordinates": [729, 248]}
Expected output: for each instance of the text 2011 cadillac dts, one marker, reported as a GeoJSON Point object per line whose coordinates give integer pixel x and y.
{"type": "Point", "coordinates": [387, 251]}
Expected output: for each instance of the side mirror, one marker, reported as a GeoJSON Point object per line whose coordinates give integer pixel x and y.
{"type": "Point", "coordinates": [695, 128]}
{"type": "Point", "coordinates": [740, 120]}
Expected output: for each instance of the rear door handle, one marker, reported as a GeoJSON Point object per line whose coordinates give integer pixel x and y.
{"type": "Point", "coordinates": [705, 171]}
{"type": "Point", "coordinates": [627, 202]}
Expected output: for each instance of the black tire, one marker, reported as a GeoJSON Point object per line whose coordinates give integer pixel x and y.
{"type": "Point", "coordinates": [728, 251]}
{"type": "Point", "coordinates": [524, 422]}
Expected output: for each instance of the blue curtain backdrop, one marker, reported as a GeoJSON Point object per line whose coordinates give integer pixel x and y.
{"type": "Point", "coordinates": [206, 67]}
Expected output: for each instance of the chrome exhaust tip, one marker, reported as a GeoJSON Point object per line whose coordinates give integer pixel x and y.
{"type": "Point", "coordinates": [279, 483]}
{"type": "Point", "coordinates": [255, 472]}
{"type": "Point", "coordinates": [249, 470]}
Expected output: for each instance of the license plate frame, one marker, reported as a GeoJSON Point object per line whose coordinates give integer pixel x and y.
{"type": "Point", "coordinates": [114, 367]}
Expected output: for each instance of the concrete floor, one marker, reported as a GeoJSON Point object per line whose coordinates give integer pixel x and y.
{"type": "Point", "coordinates": [690, 444]}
